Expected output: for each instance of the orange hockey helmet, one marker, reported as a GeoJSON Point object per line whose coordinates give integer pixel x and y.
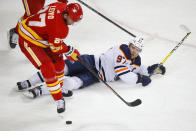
{"type": "Point", "coordinates": [74, 11]}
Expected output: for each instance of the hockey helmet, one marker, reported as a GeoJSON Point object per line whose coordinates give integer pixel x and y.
{"type": "Point", "coordinates": [74, 11]}
{"type": "Point", "coordinates": [138, 42]}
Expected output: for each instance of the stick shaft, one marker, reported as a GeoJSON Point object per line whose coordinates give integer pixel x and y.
{"type": "Point", "coordinates": [95, 74]}
{"type": "Point", "coordinates": [175, 48]}
{"type": "Point", "coordinates": [106, 18]}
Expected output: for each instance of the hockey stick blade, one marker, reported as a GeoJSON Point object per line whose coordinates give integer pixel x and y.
{"type": "Point", "coordinates": [134, 103]}
{"type": "Point", "coordinates": [185, 28]}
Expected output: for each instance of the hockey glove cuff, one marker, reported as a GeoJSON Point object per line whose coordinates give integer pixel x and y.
{"type": "Point", "coordinates": [145, 80]}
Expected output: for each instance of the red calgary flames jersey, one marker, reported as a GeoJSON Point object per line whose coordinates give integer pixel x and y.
{"type": "Point", "coordinates": [46, 28]}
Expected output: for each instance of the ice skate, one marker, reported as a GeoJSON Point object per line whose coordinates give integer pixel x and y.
{"type": "Point", "coordinates": [67, 93]}
{"type": "Point", "coordinates": [12, 38]}
{"type": "Point", "coordinates": [33, 93]}
{"type": "Point", "coordinates": [23, 85]}
{"type": "Point", "coordinates": [60, 105]}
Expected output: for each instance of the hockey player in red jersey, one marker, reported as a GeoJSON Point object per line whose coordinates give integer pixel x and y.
{"type": "Point", "coordinates": [41, 40]}
{"type": "Point", "coordinates": [31, 7]}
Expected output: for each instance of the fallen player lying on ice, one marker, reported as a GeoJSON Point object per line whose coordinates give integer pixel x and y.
{"type": "Point", "coordinates": [120, 62]}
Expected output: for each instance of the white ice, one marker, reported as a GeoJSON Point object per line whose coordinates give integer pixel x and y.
{"type": "Point", "coordinates": [169, 102]}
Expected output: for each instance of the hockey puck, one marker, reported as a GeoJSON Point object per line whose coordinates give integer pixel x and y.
{"type": "Point", "coordinates": [68, 122]}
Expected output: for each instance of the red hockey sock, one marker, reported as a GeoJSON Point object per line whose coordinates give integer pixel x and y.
{"type": "Point", "coordinates": [49, 74]}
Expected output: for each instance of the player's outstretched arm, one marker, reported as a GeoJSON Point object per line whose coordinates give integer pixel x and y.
{"type": "Point", "coordinates": [133, 78]}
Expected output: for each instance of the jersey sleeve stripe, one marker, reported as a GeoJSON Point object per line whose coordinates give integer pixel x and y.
{"type": "Point", "coordinates": [119, 67]}
{"type": "Point", "coordinates": [123, 73]}
{"type": "Point", "coordinates": [120, 70]}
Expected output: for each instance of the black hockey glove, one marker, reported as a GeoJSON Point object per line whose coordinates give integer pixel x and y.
{"type": "Point", "coordinates": [145, 80]}
{"type": "Point", "coordinates": [156, 69]}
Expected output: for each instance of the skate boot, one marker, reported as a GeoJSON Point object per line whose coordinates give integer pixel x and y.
{"type": "Point", "coordinates": [33, 93]}
{"type": "Point", "coordinates": [60, 105]}
{"type": "Point", "coordinates": [12, 38]}
{"type": "Point", "coordinates": [23, 85]}
{"type": "Point", "coordinates": [67, 93]}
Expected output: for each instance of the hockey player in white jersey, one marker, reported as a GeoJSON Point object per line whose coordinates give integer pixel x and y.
{"type": "Point", "coordinates": [120, 62]}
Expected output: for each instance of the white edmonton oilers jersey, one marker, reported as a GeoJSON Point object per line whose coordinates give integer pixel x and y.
{"type": "Point", "coordinates": [117, 62]}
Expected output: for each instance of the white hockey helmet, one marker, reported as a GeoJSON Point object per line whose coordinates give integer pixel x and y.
{"type": "Point", "coordinates": [138, 42]}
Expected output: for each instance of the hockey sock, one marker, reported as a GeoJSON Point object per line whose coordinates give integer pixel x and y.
{"type": "Point", "coordinates": [49, 73]}
{"type": "Point", "coordinates": [55, 90]}
{"type": "Point", "coordinates": [36, 79]}
{"type": "Point", "coordinates": [59, 66]}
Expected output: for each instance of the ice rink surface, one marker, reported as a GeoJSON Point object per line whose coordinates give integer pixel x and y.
{"type": "Point", "coordinates": [169, 102]}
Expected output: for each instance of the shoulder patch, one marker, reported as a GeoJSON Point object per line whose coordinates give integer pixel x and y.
{"type": "Point", "coordinates": [125, 50]}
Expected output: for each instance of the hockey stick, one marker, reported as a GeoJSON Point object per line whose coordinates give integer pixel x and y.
{"type": "Point", "coordinates": [188, 32]}
{"type": "Point", "coordinates": [131, 104]}
{"type": "Point", "coordinates": [179, 44]}
{"type": "Point", "coordinates": [106, 18]}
